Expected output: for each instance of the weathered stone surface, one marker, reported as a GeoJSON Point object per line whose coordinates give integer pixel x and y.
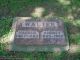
{"type": "Point", "coordinates": [40, 34]}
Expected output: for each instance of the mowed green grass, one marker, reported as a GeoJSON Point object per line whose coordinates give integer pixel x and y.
{"type": "Point", "coordinates": [69, 12]}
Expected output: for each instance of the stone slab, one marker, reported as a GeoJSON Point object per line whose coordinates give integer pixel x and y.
{"type": "Point", "coordinates": [39, 34]}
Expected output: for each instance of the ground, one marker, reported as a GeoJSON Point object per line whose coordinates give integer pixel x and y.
{"type": "Point", "coordinates": [67, 10]}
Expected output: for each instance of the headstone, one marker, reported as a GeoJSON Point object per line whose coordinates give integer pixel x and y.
{"type": "Point", "coordinates": [40, 34]}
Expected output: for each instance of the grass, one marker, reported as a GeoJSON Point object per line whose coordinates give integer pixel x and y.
{"type": "Point", "coordinates": [70, 13]}
{"type": "Point", "coordinates": [5, 25]}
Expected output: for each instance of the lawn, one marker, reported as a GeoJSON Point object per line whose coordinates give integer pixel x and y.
{"type": "Point", "coordinates": [67, 10]}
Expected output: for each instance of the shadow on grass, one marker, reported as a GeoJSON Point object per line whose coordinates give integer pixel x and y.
{"type": "Point", "coordinates": [5, 27]}
{"type": "Point", "coordinates": [45, 55]}
{"type": "Point", "coordinates": [62, 8]}
{"type": "Point", "coordinates": [73, 32]}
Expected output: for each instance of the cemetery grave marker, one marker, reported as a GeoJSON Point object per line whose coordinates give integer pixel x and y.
{"type": "Point", "coordinates": [40, 32]}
